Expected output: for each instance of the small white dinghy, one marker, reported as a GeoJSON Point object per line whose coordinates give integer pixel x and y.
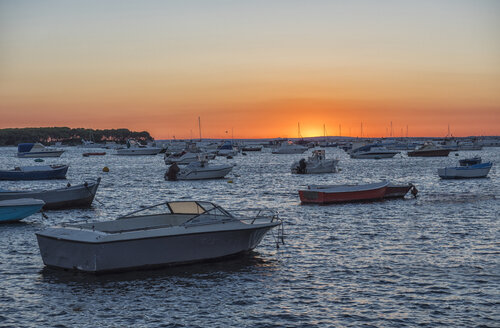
{"type": "Point", "coordinates": [317, 163]}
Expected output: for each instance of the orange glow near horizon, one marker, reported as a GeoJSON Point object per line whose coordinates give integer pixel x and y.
{"type": "Point", "coordinates": [250, 72]}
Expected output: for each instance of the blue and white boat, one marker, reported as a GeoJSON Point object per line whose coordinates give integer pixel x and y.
{"type": "Point", "coordinates": [463, 172]}
{"type": "Point", "coordinates": [18, 209]}
{"type": "Point", "coordinates": [37, 172]}
{"type": "Point", "coordinates": [227, 149]}
{"type": "Point", "coordinates": [36, 150]}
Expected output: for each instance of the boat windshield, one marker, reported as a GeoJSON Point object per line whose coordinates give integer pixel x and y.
{"type": "Point", "coordinates": [182, 207]}
{"type": "Point", "coordinates": [213, 209]}
{"type": "Point", "coordinates": [185, 208]}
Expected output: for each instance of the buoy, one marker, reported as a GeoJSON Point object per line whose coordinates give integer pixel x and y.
{"type": "Point", "coordinates": [39, 160]}
{"type": "Point", "coordinates": [229, 181]}
{"type": "Point", "coordinates": [105, 169]}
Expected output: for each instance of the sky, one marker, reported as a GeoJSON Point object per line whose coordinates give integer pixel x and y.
{"type": "Point", "coordinates": [253, 69]}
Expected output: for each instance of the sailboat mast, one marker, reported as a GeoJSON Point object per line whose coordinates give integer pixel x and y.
{"type": "Point", "coordinates": [199, 126]}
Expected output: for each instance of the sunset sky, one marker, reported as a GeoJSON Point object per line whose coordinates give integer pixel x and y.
{"type": "Point", "coordinates": [256, 68]}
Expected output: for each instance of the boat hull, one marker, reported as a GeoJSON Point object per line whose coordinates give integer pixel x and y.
{"type": "Point", "coordinates": [38, 154]}
{"type": "Point", "coordinates": [204, 174]}
{"type": "Point", "coordinates": [395, 191]}
{"type": "Point", "coordinates": [80, 196]}
{"type": "Point", "coordinates": [324, 197]}
{"type": "Point", "coordinates": [465, 172]}
{"type": "Point", "coordinates": [289, 151]}
{"type": "Point", "coordinates": [182, 160]}
{"type": "Point", "coordinates": [429, 153]}
{"type": "Point", "coordinates": [148, 252]}
{"type": "Point", "coordinates": [374, 155]}
{"type": "Point", "coordinates": [12, 213]}
{"type": "Point", "coordinates": [93, 154]}
{"type": "Point", "coordinates": [57, 173]}
{"type": "Point", "coordinates": [252, 148]}
{"type": "Point", "coordinates": [137, 151]}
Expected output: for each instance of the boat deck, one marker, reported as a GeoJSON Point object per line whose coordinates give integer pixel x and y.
{"type": "Point", "coordinates": [137, 223]}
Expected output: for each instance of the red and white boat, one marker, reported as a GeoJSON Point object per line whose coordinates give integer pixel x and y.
{"type": "Point", "coordinates": [343, 193]}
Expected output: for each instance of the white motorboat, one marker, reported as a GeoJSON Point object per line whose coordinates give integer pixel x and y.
{"type": "Point", "coordinates": [161, 235]}
{"type": "Point", "coordinates": [136, 149]}
{"type": "Point", "coordinates": [480, 170]}
{"type": "Point", "coordinates": [182, 158]}
{"type": "Point", "coordinates": [317, 163]}
{"type": "Point", "coordinates": [199, 170]}
{"type": "Point", "coordinates": [90, 144]}
{"type": "Point", "coordinates": [289, 148]}
{"type": "Point", "coordinates": [373, 151]}
{"type": "Point", "coordinates": [37, 150]}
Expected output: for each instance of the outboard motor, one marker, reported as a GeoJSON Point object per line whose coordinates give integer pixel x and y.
{"type": "Point", "coordinates": [302, 166]}
{"type": "Point", "coordinates": [171, 174]}
{"type": "Point", "coordinates": [414, 191]}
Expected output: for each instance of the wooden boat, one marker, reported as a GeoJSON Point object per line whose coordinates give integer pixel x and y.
{"type": "Point", "coordinates": [466, 172]}
{"type": "Point", "coordinates": [79, 196]}
{"type": "Point", "coordinates": [400, 191]}
{"type": "Point", "coordinates": [37, 172]}
{"type": "Point", "coordinates": [429, 150]}
{"type": "Point", "coordinates": [18, 209]}
{"type": "Point", "coordinates": [93, 154]}
{"type": "Point", "coordinates": [343, 193]}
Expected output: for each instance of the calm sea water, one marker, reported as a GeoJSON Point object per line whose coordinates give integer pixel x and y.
{"type": "Point", "coordinates": [431, 261]}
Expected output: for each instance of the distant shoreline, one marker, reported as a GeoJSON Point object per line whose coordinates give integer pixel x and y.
{"type": "Point", "coordinates": [69, 136]}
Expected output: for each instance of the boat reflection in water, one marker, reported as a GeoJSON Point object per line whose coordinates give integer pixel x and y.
{"type": "Point", "coordinates": [175, 233]}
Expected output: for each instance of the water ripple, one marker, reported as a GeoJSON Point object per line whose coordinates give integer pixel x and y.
{"type": "Point", "coordinates": [431, 261]}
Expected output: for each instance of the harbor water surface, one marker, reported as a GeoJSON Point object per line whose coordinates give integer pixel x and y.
{"type": "Point", "coordinates": [427, 262]}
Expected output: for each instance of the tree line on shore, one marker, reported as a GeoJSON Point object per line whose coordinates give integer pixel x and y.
{"type": "Point", "coordinates": [68, 136]}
